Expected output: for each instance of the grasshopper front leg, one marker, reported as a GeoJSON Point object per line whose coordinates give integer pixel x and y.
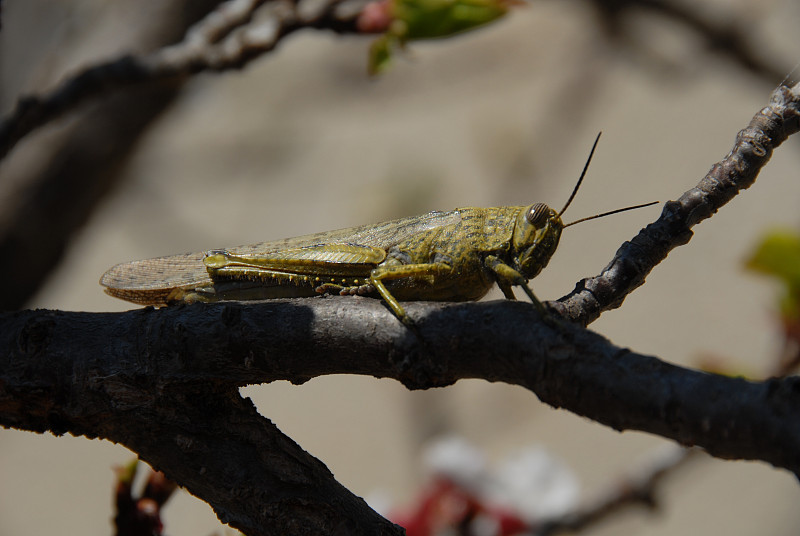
{"type": "Point", "coordinates": [388, 271]}
{"type": "Point", "coordinates": [508, 277]}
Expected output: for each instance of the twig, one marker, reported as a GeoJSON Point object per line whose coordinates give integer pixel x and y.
{"type": "Point", "coordinates": [232, 36]}
{"type": "Point", "coordinates": [139, 514]}
{"type": "Point", "coordinates": [228, 39]}
{"type": "Point", "coordinates": [632, 491]}
{"type": "Point", "coordinates": [729, 38]}
{"type": "Point", "coordinates": [84, 163]}
{"type": "Point", "coordinates": [738, 170]}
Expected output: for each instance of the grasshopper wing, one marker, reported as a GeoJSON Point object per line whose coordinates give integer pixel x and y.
{"type": "Point", "coordinates": [379, 235]}
{"type": "Point", "coordinates": [152, 281]}
{"type": "Point", "coordinates": [160, 280]}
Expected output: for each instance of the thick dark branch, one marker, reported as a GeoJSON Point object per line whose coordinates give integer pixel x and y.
{"type": "Point", "coordinates": [199, 432]}
{"type": "Point", "coordinates": [50, 357]}
{"type": "Point", "coordinates": [738, 170]}
{"type": "Point", "coordinates": [217, 445]}
{"type": "Point", "coordinates": [227, 39]}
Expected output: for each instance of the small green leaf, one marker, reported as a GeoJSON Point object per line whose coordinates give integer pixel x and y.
{"type": "Point", "coordinates": [412, 20]}
{"type": "Point", "coordinates": [778, 256]}
{"type": "Point", "coordinates": [380, 54]}
{"type": "Point", "coordinates": [433, 19]}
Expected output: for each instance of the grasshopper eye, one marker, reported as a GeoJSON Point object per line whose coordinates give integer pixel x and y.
{"type": "Point", "coordinates": [537, 214]}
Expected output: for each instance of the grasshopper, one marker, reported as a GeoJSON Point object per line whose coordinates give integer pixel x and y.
{"type": "Point", "coordinates": [441, 256]}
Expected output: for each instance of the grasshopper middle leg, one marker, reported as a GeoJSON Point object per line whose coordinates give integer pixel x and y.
{"type": "Point", "coordinates": [508, 277]}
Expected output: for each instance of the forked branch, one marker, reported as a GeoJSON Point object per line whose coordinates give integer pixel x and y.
{"type": "Point", "coordinates": [165, 382]}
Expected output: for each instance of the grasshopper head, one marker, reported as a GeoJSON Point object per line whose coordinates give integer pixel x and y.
{"type": "Point", "coordinates": [538, 227]}
{"type": "Point", "coordinates": [536, 235]}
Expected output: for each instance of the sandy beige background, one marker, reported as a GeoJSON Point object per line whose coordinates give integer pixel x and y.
{"type": "Point", "coordinates": [302, 140]}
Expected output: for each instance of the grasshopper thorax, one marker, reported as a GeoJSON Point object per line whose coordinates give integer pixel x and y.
{"type": "Point", "coordinates": [537, 231]}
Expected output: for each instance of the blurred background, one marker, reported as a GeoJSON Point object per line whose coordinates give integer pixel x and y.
{"type": "Point", "coordinates": [302, 140]}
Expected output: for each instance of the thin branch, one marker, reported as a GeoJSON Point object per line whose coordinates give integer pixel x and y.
{"type": "Point", "coordinates": [228, 39]}
{"type": "Point", "coordinates": [729, 38]}
{"type": "Point", "coordinates": [738, 170]}
{"type": "Point", "coordinates": [636, 490]}
{"type": "Point", "coordinates": [233, 35]}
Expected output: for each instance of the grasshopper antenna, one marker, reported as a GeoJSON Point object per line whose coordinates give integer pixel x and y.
{"type": "Point", "coordinates": [609, 213]}
{"type": "Point", "coordinates": [583, 174]}
{"type": "Point", "coordinates": [578, 185]}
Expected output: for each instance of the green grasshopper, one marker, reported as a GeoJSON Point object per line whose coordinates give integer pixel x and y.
{"type": "Point", "coordinates": [441, 256]}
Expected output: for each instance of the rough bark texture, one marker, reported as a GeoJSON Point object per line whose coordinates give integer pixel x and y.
{"type": "Point", "coordinates": [97, 374]}
{"type": "Point", "coordinates": [738, 170]}
{"type": "Point", "coordinates": [165, 382]}
{"type": "Point", "coordinates": [135, 379]}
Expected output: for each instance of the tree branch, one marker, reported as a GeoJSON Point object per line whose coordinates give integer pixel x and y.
{"type": "Point", "coordinates": [228, 38]}
{"type": "Point", "coordinates": [731, 38]}
{"type": "Point", "coordinates": [233, 35]}
{"type": "Point", "coordinates": [164, 382]}
{"type": "Point", "coordinates": [131, 357]}
{"type": "Point", "coordinates": [634, 490]}
{"type": "Point", "coordinates": [200, 433]}
{"type": "Point", "coordinates": [738, 170]}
